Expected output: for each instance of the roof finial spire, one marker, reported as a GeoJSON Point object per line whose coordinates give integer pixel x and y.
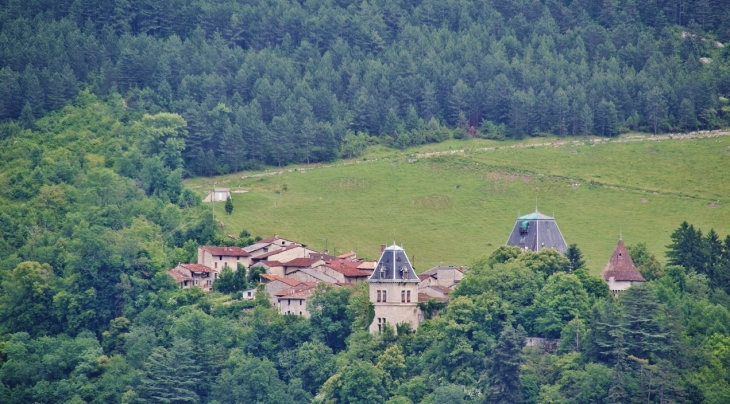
{"type": "Point", "coordinates": [535, 204]}
{"type": "Point", "coordinates": [620, 236]}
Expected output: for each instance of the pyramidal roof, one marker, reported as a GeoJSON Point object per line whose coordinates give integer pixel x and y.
{"type": "Point", "coordinates": [394, 266]}
{"type": "Point", "coordinates": [536, 232]}
{"type": "Point", "coordinates": [621, 267]}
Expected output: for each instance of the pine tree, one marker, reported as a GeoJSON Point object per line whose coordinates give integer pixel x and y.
{"type": "Point", "coordinates": [229, 205]}
{"type": "Point", "coordinates": [171, 376]}
{"type": "Point", "coordinates": [575, 256]}
{"type": "Point", "coordinates": [686, 249]}
{"type": "Point", "coordinates": [503, 368]}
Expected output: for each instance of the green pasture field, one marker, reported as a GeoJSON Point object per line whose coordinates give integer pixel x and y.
{"type": "Point", "coordinates": [450, 208]}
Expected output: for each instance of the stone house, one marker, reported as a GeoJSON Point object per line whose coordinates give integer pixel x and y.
{"type": "Point", "coordinates": [219, 257]}
{"type": "Point", "coordinates": [294, 300]}
{"type": "Point", "coordinates": [345, 271]}
{"type": "Point", "coordinates": [285, 254]}
{"type": "Point", "coordinates": [218, 195]}
{"type": "Point", "coordinates": [194, 275]}
{"type": "Point", "coordinates": [446, 276]}
{"type": "Point", "coordinates": [268, 245]}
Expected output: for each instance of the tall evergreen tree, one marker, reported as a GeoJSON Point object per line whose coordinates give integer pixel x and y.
{"type": "Point", "coordinates": [503, 368]}
{"type": "Point", "coordinates": [172, 375]}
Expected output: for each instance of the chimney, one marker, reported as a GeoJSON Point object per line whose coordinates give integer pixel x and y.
{"type": "Point", "coordinates": [382, 247]}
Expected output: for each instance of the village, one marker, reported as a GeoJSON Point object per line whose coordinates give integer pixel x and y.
{"type": "Point", "coordinates": [291, 271]}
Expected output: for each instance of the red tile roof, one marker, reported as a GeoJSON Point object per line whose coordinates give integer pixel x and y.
{"type": "Point", "coordinates": [226, 251]}
{"type": "Point", "coordinates": [347, 255]}
{"type": "Point", "coordinates": [271, 263]}
{"type": "Point", "coordinates": [347, 270]}
{"type": "Point", "coordinates": [197, 268]}
{"type": "Point", "coordinates": [288, 281]}
{"type": "Point", "coordinates": [299, 291]}
{"type": "Point", "coordinates": [301, 262]}
{"type": "Point", "coordinates": [620, 267]}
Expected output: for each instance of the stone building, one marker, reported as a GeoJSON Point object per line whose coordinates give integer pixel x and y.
{"type": "Point", "coordinates": [394, 290]}
{"type": "Point", "coordinates": [620, 272]}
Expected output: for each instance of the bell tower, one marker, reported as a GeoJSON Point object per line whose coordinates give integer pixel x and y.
{"type": "Point", "coordinates": [394, 290]}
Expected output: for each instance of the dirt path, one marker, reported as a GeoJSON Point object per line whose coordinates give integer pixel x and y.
{"type": "Point", "coordinates": [554, 143]}
{"type": "Point", "coordinates": [593, 141]}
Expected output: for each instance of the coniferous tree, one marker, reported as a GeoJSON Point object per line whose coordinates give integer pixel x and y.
{"type": "Point", "coordinates": [575, 256]}
{"type": "Point", "coordinates": [172, 375]}
{"type": "Point", "coordinates": [503, 369]}
{"type": "Point", "coordinates": [229, 205]}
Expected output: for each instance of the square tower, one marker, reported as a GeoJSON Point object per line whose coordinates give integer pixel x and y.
{"type": "Point", "coordinates": [394, 290]}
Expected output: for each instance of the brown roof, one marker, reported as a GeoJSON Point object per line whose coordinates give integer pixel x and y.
{"type": "Point", "coordinates": [179, 276]}
{"type": "Point", "coordinates": [302, 291]}
{"type": "Point", "coordinates": [197, 268]}
{"type": "Point", "coordinates": [288, 281]}
{"type": "Point", "coordinates": [322, 256]}
{"type": "Point", "coordinates": [367, 265]}
{"type": "Point", "coordinates": [347, 255]}
{"type": "Point", "coordinates": [301, 262]}
{"type": "Point", "coordinates": [423, 277]}
{"type": "Point", "coordinates": [620, 267]}
{"type": "Point", "coordinates": [347, 270]}
{"type": "Point", "coordinates": [271, 263]}
{"type": "Point", "coordinates": [226, 251]}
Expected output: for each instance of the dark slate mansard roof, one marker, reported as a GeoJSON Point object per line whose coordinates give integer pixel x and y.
{"type": "Point", "coordinates": [394, 266]}
{"type": "Point", "coordinates": [536, 232]}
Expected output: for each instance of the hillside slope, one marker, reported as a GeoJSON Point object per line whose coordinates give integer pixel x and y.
{"type": "Point", "coordinates": [451, 208]}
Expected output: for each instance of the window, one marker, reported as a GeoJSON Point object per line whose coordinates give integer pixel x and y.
{"type": "Point", "coordinates": [288, 301]}
{"type": "Point", "coordinates": [385, 296]}
{"type": "Point", "coordinates": [402, 296]}
{"type": "Point", "coordinates": [379, 298]}
{"type": "Point", "coordinates": [300, 313]}
{"type": "Point", "coordinates": [300, 302]}
{"type": "Point", "coordinates": [408, 296]}
{"type": "Point", "coordinates": [220, 258]}
{"type": "Point", "coordinates": [238, 258]}
{"type": "Point", "coordinates": [215, 265]}
{"type": "Point", "coordinates": [381, 324]}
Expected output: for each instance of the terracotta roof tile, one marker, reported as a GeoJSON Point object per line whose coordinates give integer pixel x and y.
{"type": "Point", "coordinates": [621, 267]}
{"type": "Point", "coordinates": [288, 281]}
{"type": "Point", "coordinates": [301, 262]}
{"type": "Point", "coordinates": [197, 268]}
{"type": "Point", "coordinates": [226, 251]}
{"type": "Point", "coordinates": [347, 255]}
{"type": "Point", "coordinates": [271, 263]}
{"type": "Point", "coordinates": [348, 270]}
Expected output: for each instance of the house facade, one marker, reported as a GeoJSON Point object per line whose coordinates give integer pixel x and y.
{"type": "Point", "coordinates": [194, 275]}
{"type": "Point", "coordinates": [394, 290]}
{"type": "Point", "coordinates": [219, 257]}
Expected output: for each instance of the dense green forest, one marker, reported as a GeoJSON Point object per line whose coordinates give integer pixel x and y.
{"type": "Point", "coordinates": [278, 82]}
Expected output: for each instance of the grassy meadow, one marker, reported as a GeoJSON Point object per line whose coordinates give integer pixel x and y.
{"type": "Point", "coordinates": [449, 208]}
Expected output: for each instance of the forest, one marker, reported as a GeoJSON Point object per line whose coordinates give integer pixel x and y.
{"type": "Point", "coordinates": [106, 106]}
{"type": "Point", "coordinates": [282, 81]}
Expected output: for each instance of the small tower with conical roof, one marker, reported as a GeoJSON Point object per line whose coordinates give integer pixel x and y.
{"type": "Point", "coordinates": [535, 232]}
{"type": "Point", "coordinates": [620, 272]}
{"type": "Point", "coordinates": [394, 290]}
